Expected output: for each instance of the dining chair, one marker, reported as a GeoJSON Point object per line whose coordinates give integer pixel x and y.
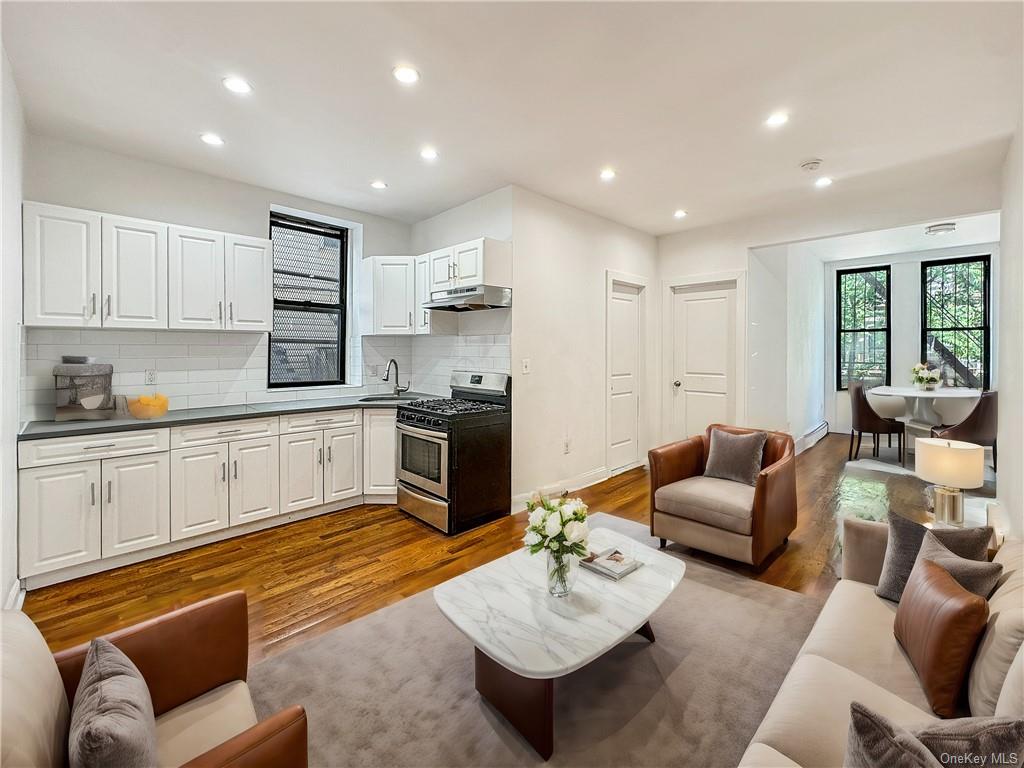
{"type": "Point", "coordinates": [979, 427]}
{"type": "Point", "coordinates": [866, 419]}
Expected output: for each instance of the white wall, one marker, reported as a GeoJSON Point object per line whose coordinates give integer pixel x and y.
{"type": "Point", "coordinates": [1011, 340]}
{"type": "Point", "coordinates": [11, 158]}
{"type": "Point", "coordinates": [805, 344]}
{"type": "Point", "coordinates": [767, 339]}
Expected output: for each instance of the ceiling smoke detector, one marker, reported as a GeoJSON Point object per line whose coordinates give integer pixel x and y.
{"type": "Point", "coordinates": [940, 229]}
{"type": "Point", "coordinates": [812, 165]}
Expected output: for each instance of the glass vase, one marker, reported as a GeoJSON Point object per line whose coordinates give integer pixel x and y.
{"type": "Point", "coordinates": [562, 572]}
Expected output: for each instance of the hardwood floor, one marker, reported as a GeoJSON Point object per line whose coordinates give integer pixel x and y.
{"type": "Point", "coordinates": [308, 577]}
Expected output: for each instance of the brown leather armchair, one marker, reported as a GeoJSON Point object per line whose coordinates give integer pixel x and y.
{"type": "Point", "coordinates": [863, 418]}
{"type": "Point", "coordinates": [979, 427]}
{"type": "Point", "coordinates": [194, 660]}
{"type": "Point", "coordinates": [721, 516]}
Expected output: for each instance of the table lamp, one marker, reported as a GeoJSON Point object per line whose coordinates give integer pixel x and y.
{"type": "Point", "coordinates": [951, 465]}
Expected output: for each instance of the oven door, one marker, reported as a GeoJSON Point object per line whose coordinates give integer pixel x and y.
{"type": "Point", "coordinates": [423, 459]}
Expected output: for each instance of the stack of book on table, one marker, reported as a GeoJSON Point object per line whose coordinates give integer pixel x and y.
{"type": "Point", "coordinates": [611, 563]}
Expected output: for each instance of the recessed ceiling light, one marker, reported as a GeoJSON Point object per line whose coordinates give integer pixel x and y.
{"type": "Point", "coordinates": [823, 181]}
{"type": "Point", "coordinates": [237, 84]}
{"type": "Point", "coordinates": [378, 184]}
{"type": "Point", "coordinates": [212, 139]}
{"type": "Point", "coordinates": [775, 119]}
{"type": "Point", "coordinates": [680, 214]}
{"type": "Point", "coordinates": [428, 153]}
{"type": "Point", "coordinates": [607, 174]}
{"type": "Point", "coordinates": [405, 75]}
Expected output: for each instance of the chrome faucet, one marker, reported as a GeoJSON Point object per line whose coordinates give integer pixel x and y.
{"type": "Point", "coordinates": [387, 372]}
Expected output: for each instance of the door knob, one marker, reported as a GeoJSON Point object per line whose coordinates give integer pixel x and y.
{"type": "Point", "coordinates": [677, 383]}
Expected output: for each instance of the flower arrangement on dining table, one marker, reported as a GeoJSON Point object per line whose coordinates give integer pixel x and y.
{"type": "Point", "coordinates": [925, 377]}
{"type": "Point", "coordinates": [558, 528]}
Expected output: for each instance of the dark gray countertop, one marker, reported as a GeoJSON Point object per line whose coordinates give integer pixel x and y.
{"type": "Point", "coordinates": [37, 430]}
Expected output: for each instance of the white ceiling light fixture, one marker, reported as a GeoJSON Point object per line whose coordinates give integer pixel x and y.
{"type": "Point", "coordinates": [777, 119]}
{"type": "Point", "coordinates": [212, 139]}
{"type": "Point", "coordinates": [944, 228]}
{"type": "Point", "coordinates": [607, 174]}
{"type": "Point", "coordinates": [378, 184]}
{"type": "Point", "coordinates": [823, 181]}
{"type": "Point", "coordinates": [405, 74]}
{"type": "Point", "coordinates": [237, 85]}
{"type": "Point", "coordinates": [680, 214]}
{"type": "Point", "coordinates": [428, 153]}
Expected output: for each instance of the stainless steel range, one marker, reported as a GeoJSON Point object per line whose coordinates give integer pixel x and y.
{"type": "Point", "coordinates": [455, 454]}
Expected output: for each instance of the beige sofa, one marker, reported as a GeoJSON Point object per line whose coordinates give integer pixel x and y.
{"type": "Point", "coordinates": [852, 655]}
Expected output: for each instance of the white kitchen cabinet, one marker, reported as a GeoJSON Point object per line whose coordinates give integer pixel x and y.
{"type": "Point", "coordinates": [254, 481]}
{"type": "Point", "coordinates": [62, 266]}
{"type": "Point", "coordinates": [343, 472]}
{"type": "Point", "coordinates": [387, 296]}
{"type": "Point", "coordinates": [248, 283]}
{"type": "Point", "coordinates": [379, 475]}
{"type": "Point", "coordinates": [483, 261]}
{"type": "Point", "coordinates": [58, 517]}
{"type": "Point", "coordinates": [469, 263]}
{"type": "Point", "coordinates": [134, 273]}
{"type": "Point", "coordinates": [422, 294]}
{"type": "Point", "coordinates": [136, 506]}
{"type": "Point", "coordinates": [199, 490]}
{"type": "Point", "coordinates": [441, 269]}
{"type": "Point", "coordinates": [195, 279]}
{"type": "Point", "coordinates": [302, 471]}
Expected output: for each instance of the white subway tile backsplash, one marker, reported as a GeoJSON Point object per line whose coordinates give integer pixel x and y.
{"type": "Point", "coordinates": [210, 401]}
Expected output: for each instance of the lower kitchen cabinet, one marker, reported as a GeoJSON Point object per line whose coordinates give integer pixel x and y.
{"type": "Point", "coordinates": [136, 503]}
{"type": "Point", "coordinates": [254, 480]}
{"type": "Point", "coordinates": [343, 472]}
{"type": "Point", "coordinates": [58, 516]}
{"type": "Point", "coordinates": [302, 471]}
{"type": "Point", "coordinates": [199, 490]}
{"type": "Point", "coordinates": [379, 451]}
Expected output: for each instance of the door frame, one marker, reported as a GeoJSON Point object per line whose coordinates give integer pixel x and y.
{"type": "Point", "coordinates": [642, 284]}
{"type": "Point", "coordinates": [738, 280]}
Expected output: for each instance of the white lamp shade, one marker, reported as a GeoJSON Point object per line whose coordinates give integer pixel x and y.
{"type": "Point", "coordinates": [952, 463]}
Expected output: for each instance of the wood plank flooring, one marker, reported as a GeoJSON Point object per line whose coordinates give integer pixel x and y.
{"type": "Point", "coordinates": [308, 577]}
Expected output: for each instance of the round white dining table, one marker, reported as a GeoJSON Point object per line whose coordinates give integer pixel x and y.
{"type": "Point", "coordinates": [923, 399]}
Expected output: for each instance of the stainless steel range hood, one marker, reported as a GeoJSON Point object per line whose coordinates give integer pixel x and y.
{"type": "Point", "coordinates": [470, 298]}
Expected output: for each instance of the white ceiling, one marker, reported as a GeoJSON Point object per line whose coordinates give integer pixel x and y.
{"type": "Point", "coordinates": [541, 95]}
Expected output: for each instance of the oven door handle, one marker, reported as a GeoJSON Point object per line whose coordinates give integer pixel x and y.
{"type": "Point", "coordinates": [440, 437]}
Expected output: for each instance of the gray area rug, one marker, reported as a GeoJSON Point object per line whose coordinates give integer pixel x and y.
{"type": "Point", "coordinates": [395, 688]}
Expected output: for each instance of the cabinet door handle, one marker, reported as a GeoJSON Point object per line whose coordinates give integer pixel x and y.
{"type": "Point", "coordinates": [235, 468]}
{"type": "Point", "coordinates": [322, 421]}
{"type": "Point", "coordinates": [223, 471]}
{"type": "Point", "coordinates": [228, 431]}
{"type": "Point", "coordinates": [93, 304]}
{"type": "Point", "coordinates": [410, 318]}
{"type": "Point", "coordinates": [320, 456]}
{"type": "Point", "coordinates": [424, 317]}
{"type": "Point", "coordinates": [330, 458]}
{"type": "Point", "coordinates": [220, 311]}
{"type": "Point", "coordinates": [108, 305]}
{"type": "Point", "coordinates": [97, 447]}
{"type": "Point", "coordinates": [110, 491]}
{"type": "Point", "coordinates": [231, 311]}
{"type": "Point", "coordinates": [92, 494]}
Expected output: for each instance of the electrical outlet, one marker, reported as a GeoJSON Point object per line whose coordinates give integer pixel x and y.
{"type": "Point", "coordinates": [526, 365]}
{"type": "Point", "coordinates": [150, 376]}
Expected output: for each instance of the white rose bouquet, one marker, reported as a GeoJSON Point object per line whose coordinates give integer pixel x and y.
{"type": "Point", "coordinates": [925, 376]}
{"type": "Point", "coordinates": [558, 528]}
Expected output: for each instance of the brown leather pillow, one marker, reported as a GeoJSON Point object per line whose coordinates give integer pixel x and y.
{"type": "Point", "coordinates": [938, 623]}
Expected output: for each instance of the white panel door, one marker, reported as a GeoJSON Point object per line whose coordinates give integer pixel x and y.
{"type": "Point", "coordinates": [442, 269]}
{"type": "Point", "coordinates": [394, 295]}
{"type": "Point", "coordinates": [703, 359]}
{"type": "Point", "coordinates": [58, 517]}
{"type": "Point", "coordinates": [469, 263]}
{"type": "Point", "coordinates": [302, 471]}
{"type": "Point", "coordinates": [343, 473]}
{"type": "Point", "coordinates": [199, 490]}
{"type": "Point", "coordinates": [248, 283]}
{"type": "Point", "coordinates": [254, 480]}
{"type": "Point", "coordinates": [623, 375]}
{"type": "Point", "coordinates": [62, 266]}
{"type": "Point", "coordinates": [422, 294]}
{"type": "Point", "coordinates": [136, 503]}
{"type": "Point", "coordinates": [134, 273]}
{"type": "Point", "coordinates": [379, 476]}
{"type": "Point", "coordinates": [195, 282]}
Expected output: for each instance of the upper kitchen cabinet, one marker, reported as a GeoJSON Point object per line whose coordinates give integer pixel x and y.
{"type": "Point", "coordinates": [388, 296]}
{"type": "Point", "coordinates": [62, 266]}
{"type": "Point", "coordinates": [195, 278]}
{"type": "Point", "coordinates": [248, 283]}
{"type": "Point", "coordinates": [426, 320]}
{"type": "Point", "coordinates": [134, 273]}
{"type": "Point", "coordinates": [483, 261]}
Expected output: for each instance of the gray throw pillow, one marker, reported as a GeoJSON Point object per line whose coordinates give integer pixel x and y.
{"type": "Point", "coordinates": [735, 457]}
{"type": "Point", "coordinates": [905, 537]}
{"type": "Point", "coordinates": [977, 576]}
{"type": "Point", "coordinates": [112, 723]}
{"type": "Point", "coordinates": [874, 741]}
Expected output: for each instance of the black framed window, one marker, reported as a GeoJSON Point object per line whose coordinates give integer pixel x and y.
{"type": "Point", "coordinates": [307, 345]}
{"type": "Point", "coordinates": [955, 331]}
{"type": "Point", "coordinates": [863, 351]}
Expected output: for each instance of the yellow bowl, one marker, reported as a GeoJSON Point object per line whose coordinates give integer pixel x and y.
{"type": "Point", "coordinates": [153, 407]}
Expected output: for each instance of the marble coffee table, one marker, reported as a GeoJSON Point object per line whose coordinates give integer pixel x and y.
{"type": "Point", "coordinates": [524, 638]}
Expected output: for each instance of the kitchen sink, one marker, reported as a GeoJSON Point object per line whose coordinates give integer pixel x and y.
{"type": "Point", "coordinates": [388, 398]}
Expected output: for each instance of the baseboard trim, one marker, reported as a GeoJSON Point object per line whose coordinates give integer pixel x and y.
{"type": "Point", "coordinates": [810, 439]}
{"type": "Point", "coordinates": [567, 485]}
{"type": "Point", "coordinates": [15, 597]}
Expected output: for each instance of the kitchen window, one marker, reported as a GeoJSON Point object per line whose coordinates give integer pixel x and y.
{"type": "Point", "coordinates": [862, 323]}
{"type": "Point", "coordinates": [955, 331]}
{"type": "Point", "coordinates": [307, 345]}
